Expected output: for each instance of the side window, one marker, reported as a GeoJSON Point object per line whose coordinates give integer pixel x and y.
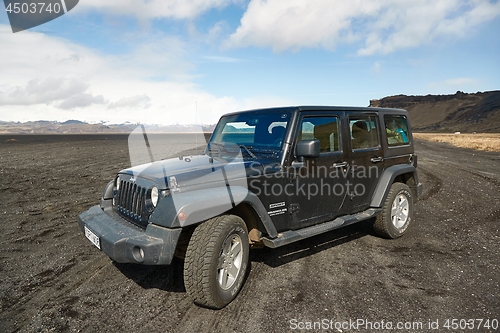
{"type": "Point", "coordinates": [364, 132]}
{"type": "Point", "coordinates": [325, 129]}
{"type": "Point", "coordinates": [396, 128]}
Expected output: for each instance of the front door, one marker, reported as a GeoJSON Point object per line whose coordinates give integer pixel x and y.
{"type": "Point", "coordinates": [316, 189]}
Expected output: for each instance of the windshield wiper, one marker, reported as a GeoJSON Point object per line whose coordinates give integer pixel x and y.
{"type": "Point", "coordinates": [248, 151]}
{"type": "Point", "coordinates": [234, 148]}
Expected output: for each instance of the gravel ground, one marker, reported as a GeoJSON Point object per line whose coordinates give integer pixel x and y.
{"type": "Point", "coordinates": [54, 280]}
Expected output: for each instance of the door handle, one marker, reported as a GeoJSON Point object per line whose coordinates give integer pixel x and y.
{"type": "Point", "coordinates": [339, 165]}
{"type": "Point", "coordinates": [376, 159]}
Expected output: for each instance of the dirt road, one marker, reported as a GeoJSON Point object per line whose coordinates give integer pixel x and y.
{"type": "Point", "coordinates": [54, 280]}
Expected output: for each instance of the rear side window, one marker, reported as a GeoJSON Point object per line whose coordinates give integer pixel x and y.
{"type": "Point", "coordinates": [396, 128]}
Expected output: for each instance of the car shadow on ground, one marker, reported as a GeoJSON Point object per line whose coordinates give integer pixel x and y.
{"type": "Point", "coordinates": [170, 278]}
{"type": "Point", "coordinates": [310, 246]}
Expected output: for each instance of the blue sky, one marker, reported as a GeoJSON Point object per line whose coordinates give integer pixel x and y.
{"type": "Point", "coordinates": [172, 61]}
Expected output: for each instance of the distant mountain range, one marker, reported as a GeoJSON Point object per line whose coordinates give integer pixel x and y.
{"type": "Point", "coordinates": [478, 112]}
{"type": "Point", "coordinates": [80, 127]}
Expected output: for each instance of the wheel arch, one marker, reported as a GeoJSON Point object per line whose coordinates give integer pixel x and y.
{"type": "Point", "coordinates": [201, 205]}
{"type": "Point", "coordinates": [403, 173]}
{"type": "Point", "coordinates": [253, 221]}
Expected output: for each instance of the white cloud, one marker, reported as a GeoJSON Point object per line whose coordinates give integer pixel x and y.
{"type": "Point", "coordinates": [295, 24]}
{"type": "Point", "coordinates": [81, 100]}
{"type": "Point", "coordinates": [142, 101]}
{"type": "Point", "coordinates": [54, 79]}
{"type": "Point", "coordinates": [70, 92]}
{"type": "Point", "coordinates": [144, 9]}
{"type": "Point", "coordinates": [211, 36]}
{"type": "Point", "coordinates": [216, 31]}
{"type": "Point", "coordinates": [383, 26]}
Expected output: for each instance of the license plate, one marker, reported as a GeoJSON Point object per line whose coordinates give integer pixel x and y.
{"type": "Point", "coordinates": [92, 237]}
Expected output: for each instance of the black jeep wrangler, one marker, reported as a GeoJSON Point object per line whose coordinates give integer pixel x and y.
{"type": "Point", "coordinates": [267, 177]}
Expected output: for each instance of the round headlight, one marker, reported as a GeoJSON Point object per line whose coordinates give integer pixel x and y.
{"type": "Point", "coordinates": [154, 195]}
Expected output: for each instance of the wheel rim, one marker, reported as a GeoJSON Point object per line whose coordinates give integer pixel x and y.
{"type": "Point", "coordinates": [230, 260]}
{"type": "Point", "coordinates": [400, 211]}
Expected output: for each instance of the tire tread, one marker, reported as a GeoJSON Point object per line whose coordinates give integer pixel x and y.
{"type": "Point", "coordinates": [383, 223]}
{"type": "Point", "coordinates": [199, 254]}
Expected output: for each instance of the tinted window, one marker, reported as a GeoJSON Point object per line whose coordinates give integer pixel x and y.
{"type": "Point", "coordinates": [364, 132]}
{"type": "Point", "coordinates": [253, 129]}
{"type": "Point", "coordinates": [325, 129]}
{"type": "Point", "coordinates": [396, 128]}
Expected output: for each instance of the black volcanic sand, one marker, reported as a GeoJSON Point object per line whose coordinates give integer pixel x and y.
{"type": "Point", "coordinates": [54, 280]}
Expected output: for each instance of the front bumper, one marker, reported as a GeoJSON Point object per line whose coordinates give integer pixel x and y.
{"type": "Point", "coordinates": [125, 243]}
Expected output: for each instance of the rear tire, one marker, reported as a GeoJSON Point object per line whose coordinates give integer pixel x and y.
{"type": "Point", "coordinates": [397, 212]}
{"type": "Point", "coordinates": [216, 261]}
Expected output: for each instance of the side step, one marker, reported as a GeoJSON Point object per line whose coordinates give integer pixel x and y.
{"type": "Point", "coordinates": [292, 236]}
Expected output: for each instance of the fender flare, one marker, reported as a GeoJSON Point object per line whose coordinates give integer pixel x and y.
{"type": "Point", "coordinates": [386, 180]}
{"type": "Point", "coordinates": [107, 194]}
{"type": "Point", "coordinates": [201, 205]}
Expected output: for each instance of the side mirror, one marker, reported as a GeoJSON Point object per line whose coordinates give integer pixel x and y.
{"type": "Point", "coordinates": [308, 148]}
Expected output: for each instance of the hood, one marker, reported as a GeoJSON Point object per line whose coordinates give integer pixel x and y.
{"type": "Point", "coordinates": [200, 171]}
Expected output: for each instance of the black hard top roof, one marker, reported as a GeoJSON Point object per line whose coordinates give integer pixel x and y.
{"type": "Point", "coordinates": [323, 108]}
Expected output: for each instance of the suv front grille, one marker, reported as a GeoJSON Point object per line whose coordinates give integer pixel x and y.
{"type": "Point", "coordinates": [130, 201]}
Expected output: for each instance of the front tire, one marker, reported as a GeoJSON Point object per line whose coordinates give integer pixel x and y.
{"type": "Point", "coordinates": [216, 261]}
{"type": "Point", "coordinates": [397, 212]}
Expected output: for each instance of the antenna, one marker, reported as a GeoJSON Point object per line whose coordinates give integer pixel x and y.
{"type": "Point", "coordinates": [196, 122]}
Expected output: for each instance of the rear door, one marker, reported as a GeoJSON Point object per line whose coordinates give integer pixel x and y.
{"type": "Point", "coordinates": [366, 158]}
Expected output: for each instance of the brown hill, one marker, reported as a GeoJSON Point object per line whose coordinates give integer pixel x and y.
{"type": "Point", "coordinates": [479, 112]}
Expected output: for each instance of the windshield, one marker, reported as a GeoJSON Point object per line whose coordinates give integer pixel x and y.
{"type": "Point", "coordinates": [251, 132]}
